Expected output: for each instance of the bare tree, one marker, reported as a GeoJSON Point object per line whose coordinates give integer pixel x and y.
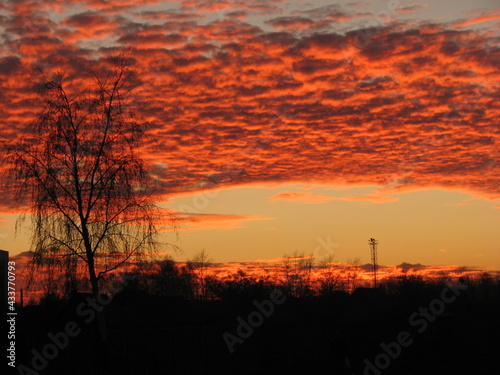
{"type": "Point", "coordinates": [78, 170]}
{"type": "Point", "coordinates": [200, 266]}
{"type": "Point", "coordinates": [295, 273]}
{"type": "Point", "coordinates": [329, 275]}
{"type": "Point", "coordinates": [351, 272]}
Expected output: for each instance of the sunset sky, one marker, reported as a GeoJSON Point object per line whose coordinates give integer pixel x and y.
{"type": "Point", "coordinates": [282, 126]}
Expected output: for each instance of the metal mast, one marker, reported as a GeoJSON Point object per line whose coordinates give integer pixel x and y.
{"type": "Point", "coordinates": [373, 246]}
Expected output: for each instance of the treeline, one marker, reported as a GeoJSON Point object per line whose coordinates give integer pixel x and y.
{"type": "Point", "coordinates": [199, 278]}
{"type": "Point", "coordinates": [296, 276]}
{"type": "Point", "coordinates": [168, 317]}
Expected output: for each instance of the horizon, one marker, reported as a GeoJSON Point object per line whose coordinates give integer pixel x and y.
{"type": "Point", "coordinates": [271, 270]}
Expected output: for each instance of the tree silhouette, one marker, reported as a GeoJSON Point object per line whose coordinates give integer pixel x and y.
{"type": "Point", "coordinates": [330, 276]}
{"type": "Point", "coordinates": [200, 265]}
{"type": "Point", "coordinates": [78, 170]}
{"type": "Point", "coordinates": [164, 277]}
{"type": "Point", "coordinates": [351, 274]}
{"type": "Point", "coordinates": [295, 273]}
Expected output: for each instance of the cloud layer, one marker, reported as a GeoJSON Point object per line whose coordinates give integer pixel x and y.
{"type": "Point", "coordinates": [240, 92]}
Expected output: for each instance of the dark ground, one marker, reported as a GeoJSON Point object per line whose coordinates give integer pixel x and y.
{"type": "Point", "coordinates": [335, 334]}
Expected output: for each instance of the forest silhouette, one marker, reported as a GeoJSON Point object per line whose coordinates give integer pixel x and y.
{"type": "Point", "coordinates": [178, 318]}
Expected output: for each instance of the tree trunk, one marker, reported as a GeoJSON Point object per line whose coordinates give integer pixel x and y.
{"type": "Point", "coordinates": [102, 334]}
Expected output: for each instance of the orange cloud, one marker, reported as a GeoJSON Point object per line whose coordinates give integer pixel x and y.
{"type": "Point", "coordinates": [301, 197]}
{"type": "Point", "coordinates": [215, 221]}
{"type": "Point", "coordinates": [493, 16]}
{"type": "Point", "coordinates": [231, 103]}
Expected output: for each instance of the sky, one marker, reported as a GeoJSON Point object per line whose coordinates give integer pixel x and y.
{"type": "Point", "coordinates": [285, 126]}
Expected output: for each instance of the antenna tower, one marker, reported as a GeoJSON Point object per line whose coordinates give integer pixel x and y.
{"type": "Point", "coordinates": [373, 246]}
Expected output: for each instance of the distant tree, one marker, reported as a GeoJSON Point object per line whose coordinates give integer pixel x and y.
{"type": "Point", "coordinates": [239, 287]}
{"type": "Point", "coordinates": [351, 272]}
{"type": "Point", "coordinates": [214, 287]}
{"type": "Point", "coordinates": [200, 266]}
{"type": "Point", "coordinates": [166, 278]}
{"type": "Point", "coordinates": [329, 276]}
{"type": "Point", "coordinates": [295, 273]}
{"type": "Point", "coordinates": [405, 284]}
{"type": "Point", "coordinates": [78, 171]}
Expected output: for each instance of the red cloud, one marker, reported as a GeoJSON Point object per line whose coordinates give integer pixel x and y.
{"type": "Point", "coordinates": [230, 103]}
